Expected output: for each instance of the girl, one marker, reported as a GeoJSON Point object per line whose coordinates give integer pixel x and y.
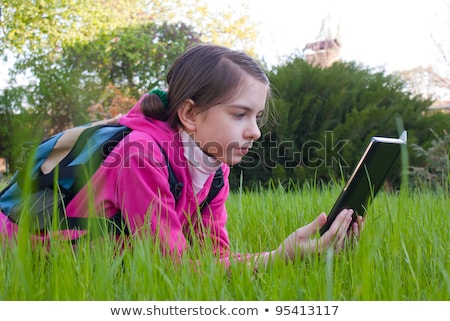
{"type": "Point", "coordinates": [208, 119]}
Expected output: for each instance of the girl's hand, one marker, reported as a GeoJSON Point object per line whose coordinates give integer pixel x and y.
{"type": "Point", "coordinates": [301, 242]}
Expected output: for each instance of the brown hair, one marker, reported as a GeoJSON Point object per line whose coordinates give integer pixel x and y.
{"type": "Point", "coordinates": [207, 74]}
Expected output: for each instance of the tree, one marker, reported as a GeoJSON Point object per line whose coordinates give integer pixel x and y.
{"type": "Point", "coordinates": [15, 128]}
{"type": "Point", "coordinates": [78, 54]}
{"type": "Point", "coordinates": [227, 26]}
{"type": "Point", "coordinates": [6, 119]}
{"type": "Point", "coordinates": [435, 171]}
{"type": "Point", "coordinates": [43, 28]}
{"type": "Point", "coordinates": [326, 118]}
{"type": "Point", "coordinates": [132, 59]}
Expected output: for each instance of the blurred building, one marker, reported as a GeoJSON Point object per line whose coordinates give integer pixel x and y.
{"type": "Point", "coordinates": [322, 53]}
{"type": "Point", "coordinates": [440, 106]}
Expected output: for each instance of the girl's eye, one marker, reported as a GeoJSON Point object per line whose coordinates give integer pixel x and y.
{"type": "Point", "coordinates": [259, 118]}
{"type": "Point", "coordinates": [239, 116]}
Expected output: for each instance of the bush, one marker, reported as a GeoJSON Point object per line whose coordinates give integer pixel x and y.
{"type": "Point", "coordinates": [436, 163]}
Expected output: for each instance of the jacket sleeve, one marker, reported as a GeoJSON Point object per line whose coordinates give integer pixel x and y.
{"type": "Point", "coordinates": [147, 204]}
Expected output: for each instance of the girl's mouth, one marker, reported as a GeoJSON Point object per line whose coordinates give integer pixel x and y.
{"type": "Point", "coordinates": [242, 150]}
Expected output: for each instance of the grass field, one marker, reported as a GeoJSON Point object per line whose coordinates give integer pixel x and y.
{"type": "Point", "coordinates": [403, 254]}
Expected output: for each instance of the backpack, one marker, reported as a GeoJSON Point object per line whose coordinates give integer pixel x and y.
{"type": "Point", "coordinates": [60, 167]}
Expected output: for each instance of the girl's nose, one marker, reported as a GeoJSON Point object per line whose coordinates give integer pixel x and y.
{"type": "Point", "coordinates": [253, 132]}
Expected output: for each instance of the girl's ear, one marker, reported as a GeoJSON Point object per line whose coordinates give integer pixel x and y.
{"type": "Point", "coordinates": [186, 114]}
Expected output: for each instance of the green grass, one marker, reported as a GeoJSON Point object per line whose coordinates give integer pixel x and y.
{"type": "Point", "coordinates": [403, 254]}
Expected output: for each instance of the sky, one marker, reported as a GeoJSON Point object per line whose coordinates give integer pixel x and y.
{"type": "Point", "coordinates": [394, 34]}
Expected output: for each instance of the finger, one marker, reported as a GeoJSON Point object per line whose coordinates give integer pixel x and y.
{"type": "Point", "coordinates": [313, 227]}
{"type": "Point", "coordinates": [341, 237]}
{"type": "Point", "coordinates": [351, 231]}
{"type": "Point", "coordinates": [344, 230]}
{"type": "Point", "coordinates": [355, 236]}
{"type": "Point", "coordinates": [355, 227]}
{"type": "Point", "coordinates": [360, 220]}
{"type": "Point", "coordinates": [340, 243]}
{"type": "Point", "coordinates": [340, 224]}
{"type": "Point", "coordinates": [336, 234]}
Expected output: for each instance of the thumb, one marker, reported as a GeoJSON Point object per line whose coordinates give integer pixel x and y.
{"type": "Point", "coordinates": [316, 224]}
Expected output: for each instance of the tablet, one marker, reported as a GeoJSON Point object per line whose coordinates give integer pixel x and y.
{"type": "Point", "coordinates": [368, 177]}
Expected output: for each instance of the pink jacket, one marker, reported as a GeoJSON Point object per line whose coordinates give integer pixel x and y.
{"type": "Point", "coordinates": [134, 180]}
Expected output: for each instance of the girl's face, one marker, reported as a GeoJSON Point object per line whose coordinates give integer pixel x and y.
{"type": "Point", "coordinates": [227, 131]}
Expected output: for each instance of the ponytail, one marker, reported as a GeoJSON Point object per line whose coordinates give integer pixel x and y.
{"type": "Point", "coordinates": [155, 105]}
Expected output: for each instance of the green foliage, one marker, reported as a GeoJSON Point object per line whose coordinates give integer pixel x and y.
{"type": "Point", "coordinates": [6, 119]}
{"type": "Point", "coordinates": [435, 171]}
{"type": "Point", "coordinates": [326, 117]}
{"type": "Point", "coordinates": [226, 26]}
{"type": "Point", "coordinates": [45, 26]}
{"type": "Point", "coordinates": [73, 52]}
{"type": "Point", "coordinates": [134, 59]}
{"type": "Point", "coordinates": [15, 128]}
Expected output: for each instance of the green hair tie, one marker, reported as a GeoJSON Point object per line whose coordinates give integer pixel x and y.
{"type": "Point", "coordinates": [162, 95]}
